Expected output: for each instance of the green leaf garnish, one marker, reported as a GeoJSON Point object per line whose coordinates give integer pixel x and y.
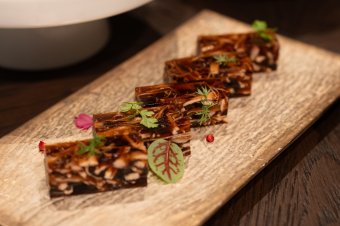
{"type": "Point", "coordinates": [262, 30]}
{"type": "Point", "coordinates": [166, 160]}
{"type": "Point", "coordinates": [259, 25]}
{"type": "Point", "coordinates": [127, 106]}
{"type": "Point", "coordinates": [91, 148]}
{"type": "Point", "coordinates": [206, 104]}
{"type": "Point", "coordinates": [147, 119]}
{"type": "Point", "coordinates": [223, 59]}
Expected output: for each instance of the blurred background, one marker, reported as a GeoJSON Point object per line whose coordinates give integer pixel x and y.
{"type": "Point", "coordinates": [24, 94]}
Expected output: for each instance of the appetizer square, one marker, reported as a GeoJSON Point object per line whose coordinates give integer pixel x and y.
{"type": "Point", "coordinates": [169, 124]}
{"type": "Point", "coordinates": [233, 70]}
{"type": "Point", "coordinates": [205, 103]}
{"type": "Point", "coordinates": [96, 165]}
{"type": "Point", "coordinates": [263, 52]}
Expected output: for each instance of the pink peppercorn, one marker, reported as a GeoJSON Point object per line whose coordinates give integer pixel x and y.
{"type": "Point", "coordinates": [210, 138]}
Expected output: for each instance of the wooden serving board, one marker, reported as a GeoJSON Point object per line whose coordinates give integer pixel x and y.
{"type": "Point", "coordinates": [283, 104]}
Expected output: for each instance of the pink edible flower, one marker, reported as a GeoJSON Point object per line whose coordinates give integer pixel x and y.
{"type": "Point", "coordinates": [83, 121]}
{"type": "Point", "coordinates": [42, 146]}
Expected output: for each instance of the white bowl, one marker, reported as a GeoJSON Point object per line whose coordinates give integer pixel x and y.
{"type": "Point", "coordinates": [47, 34]}
{"type": "Point", "coordinates": [51, 47]}
{"type": "Point", "coordinates": [47, 13]}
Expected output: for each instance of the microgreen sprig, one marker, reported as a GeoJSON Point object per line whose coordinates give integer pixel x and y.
{"type": "Point", "coordinates": [203, 91]}
{"type": "Point", "coordinates": [262, 30]}
{"type": "Point", "coordinates": [206, 104]}
{"type": "Point", "coordinates": [147, 119]}
{"type": "Point", "coordinates": [91, 148]}
{"type": "Point", "coordinates": [223, 59]}
{"type": "Point", "coordinates": [205, 113]}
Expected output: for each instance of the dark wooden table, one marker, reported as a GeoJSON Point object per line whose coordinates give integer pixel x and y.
{"type": "Point", "coordinates": [300, 187]}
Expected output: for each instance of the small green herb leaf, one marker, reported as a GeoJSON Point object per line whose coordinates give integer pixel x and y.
{"type": "Point", "coordinates": [262, 30]}
{"type": "Point", "coordinates": [223, 59]}
{"type": "Point", "coordinates": [146, 113]}
{"type": "Point", "coordinates": [127, 106]}
{"type": "Point", "coordinates": [166, 160]}
{"type": "Point", "coordinates": [91, 148]}
{"type": "Point", "coordinates": [147, 120]}
{"type": "Point", "coordinates": [259, 25]}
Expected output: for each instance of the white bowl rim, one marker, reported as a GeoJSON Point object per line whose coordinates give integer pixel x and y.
{"type": "Point", "coordinates": [50, 13]}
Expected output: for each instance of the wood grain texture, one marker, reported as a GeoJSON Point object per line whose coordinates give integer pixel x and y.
{"type": "Point", "coordinates": [283, 104]}
{"type": "Point", "coordinates": [300, 187]}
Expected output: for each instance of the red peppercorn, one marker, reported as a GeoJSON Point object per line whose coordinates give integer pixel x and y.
{"type": "Point", "coordinates": [42, 146]}
{"type": "Point", "coordinates": [210, 138]}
